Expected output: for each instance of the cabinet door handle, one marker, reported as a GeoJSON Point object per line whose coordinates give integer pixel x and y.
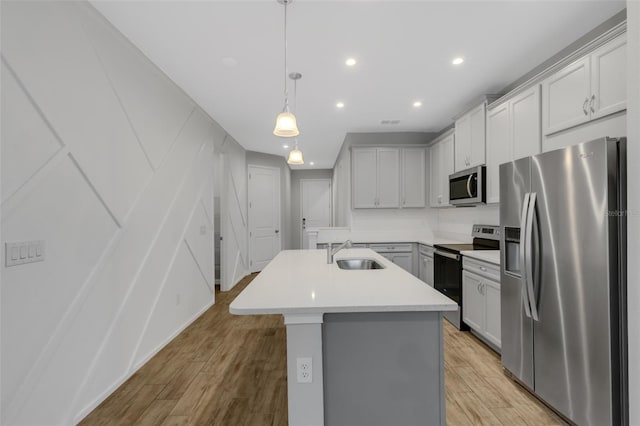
{"type": "Point", "coordinates": [482, 268]}
{"type": "Point", "coordinates": [584, 106]}
{"type": "Point", "coordinates": [591, 103]}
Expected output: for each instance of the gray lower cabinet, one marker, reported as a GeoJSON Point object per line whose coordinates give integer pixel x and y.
{"type": "Point", "coordinates": [481, 299]}
{"type": "Point", "coordinates": [399, 253]}
{"type": "Point", "coordinates": [426, 264]}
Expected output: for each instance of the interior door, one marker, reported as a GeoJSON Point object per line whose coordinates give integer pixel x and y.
{"type": "Point", "coordinates": [264, 216]}
{"type": "Point", "coordinates": [315, 205]}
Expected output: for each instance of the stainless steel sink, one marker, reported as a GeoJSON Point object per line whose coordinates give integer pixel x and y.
{"type": "Point", "coordinates": [358, 264]}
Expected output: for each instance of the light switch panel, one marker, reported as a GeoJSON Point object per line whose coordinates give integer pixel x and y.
{"type": "Point", "coordinates": [23, 252]}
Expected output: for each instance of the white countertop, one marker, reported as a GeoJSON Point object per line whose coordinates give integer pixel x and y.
{"type": "Point", "coordinates": [301, 282]}
{"type": "Point", "coordinates": [491, 256]}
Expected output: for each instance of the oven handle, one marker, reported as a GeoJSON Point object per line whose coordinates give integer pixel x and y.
{"type": "Point", "coordinates": [448, 255]}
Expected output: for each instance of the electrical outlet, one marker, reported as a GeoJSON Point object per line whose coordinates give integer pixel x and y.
{"type": "Point", "coordinates": [305, 370]}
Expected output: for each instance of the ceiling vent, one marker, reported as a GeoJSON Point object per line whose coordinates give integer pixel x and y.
{"type": "Point", "coordinates": [390, 122]}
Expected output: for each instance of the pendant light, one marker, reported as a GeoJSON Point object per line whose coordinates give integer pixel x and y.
{"type": "Point", "coordinates": [286, 125]}
{"type": "Point", "coordinates": [295, 156]}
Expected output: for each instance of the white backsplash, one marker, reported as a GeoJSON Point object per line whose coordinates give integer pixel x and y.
{"type": "Point", "coordinates": [391, 219]}
{"type": "Point", "coordinates": [458, 221]}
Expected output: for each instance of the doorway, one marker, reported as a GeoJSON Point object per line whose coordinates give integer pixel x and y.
{"type": "Point", "coordinates": [264, 216]}
{"type": "Point", "coordinates": [315, 206]}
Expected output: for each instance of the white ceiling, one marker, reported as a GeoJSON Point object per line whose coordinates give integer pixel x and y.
{"type": "Point", "coordinates": [404, 52]}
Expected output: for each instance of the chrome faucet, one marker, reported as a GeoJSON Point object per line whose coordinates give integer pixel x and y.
{"type": "Point", "coordinates": [331, 252]}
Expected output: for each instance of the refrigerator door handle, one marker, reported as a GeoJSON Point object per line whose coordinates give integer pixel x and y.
{"type": "Point", "coordinates": [523, 255]}
{"type": "Point", "coordinates": [528, 258]}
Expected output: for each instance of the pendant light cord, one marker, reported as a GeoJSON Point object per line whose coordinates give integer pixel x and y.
{"type": "Point", "coordinates": [286, 92]}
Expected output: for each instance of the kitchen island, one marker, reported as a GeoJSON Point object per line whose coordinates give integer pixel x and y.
{"type": "Point", "coordinates": [363, 346]}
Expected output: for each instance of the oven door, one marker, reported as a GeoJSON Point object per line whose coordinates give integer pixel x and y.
{"type": "Point", "coordinates": [447, 274]}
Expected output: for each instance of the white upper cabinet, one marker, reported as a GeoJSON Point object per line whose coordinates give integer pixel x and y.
{"type": "Point", "coordinates": [364, 178]}
{"type": "Point", "coordinates": [608, 82]}
{"type": "Point", "coordinates": [413, 177]}
{"type": "Point", "coordinates": [470, 138]}
{"type": "Point", "coordinates": [388, 177]}
{"type": "Point", "coordinates": [513, 132]}
{"type": "Point", "coordinates": [376, 178]}
{"type": "Point", "coordinates": [499, 148]}
{"type": "Point", "coordinates": [589, 88]}
{"type": "Point", "coordinates": [566, 97]}
{"type": "Point", "coordinates": [440, 167]}
{"type": "Point", "coordinates": [462, 143]}
{"type": "Point", "coordinates": [526, 129]}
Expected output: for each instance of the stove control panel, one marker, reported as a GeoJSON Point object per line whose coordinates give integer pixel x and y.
{"type": "Point", "coordinates": [489, 232]}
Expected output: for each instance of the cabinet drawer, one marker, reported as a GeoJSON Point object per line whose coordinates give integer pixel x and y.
{"type": "Point", "coordinates": [485, 269]}
{"type": "Point", "coordinates": [391, 247]}
{"type": "Point", "coordinates": [354, 245]}
{"type": "Point", "coordinates": [426, 250]}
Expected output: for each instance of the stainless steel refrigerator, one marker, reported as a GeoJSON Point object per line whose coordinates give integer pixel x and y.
{"type": "Point", "coordinates": [563, 279]}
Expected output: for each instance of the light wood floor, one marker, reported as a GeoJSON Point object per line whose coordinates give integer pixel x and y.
{"type": "Point", "coordinates": [231, 370]}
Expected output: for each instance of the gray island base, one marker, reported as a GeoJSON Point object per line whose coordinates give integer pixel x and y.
{"type": "Point", "coordinates": [363, 347]}
{"type": "Point", "coordinates": [383, 369]}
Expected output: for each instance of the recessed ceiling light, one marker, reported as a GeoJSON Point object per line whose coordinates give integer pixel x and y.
{"type": "Point", "coordinates": [311, 163]}
{"type": "Point", "coordinates": [285, 146]}
{"type": "Point", "coordinates": [457, 61]}
{"type": "Point", "coordinates": [417, 104]}
{"type": "Point", "coordinates": [340, 105]}
{"type": "Point", "coordinates": [229, 61]}
{"type": "Point", "coordinates": [350, 62]}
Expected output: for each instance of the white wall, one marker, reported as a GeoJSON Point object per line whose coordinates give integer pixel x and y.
{"type": "Point", "coordinates": [112, 165]}
{"type": "Point", "coordinates": [260, 159]}
{"type": "Point", "coordinates": [633, 191]}
{"type": "Point", "coordinates": [296, 208]}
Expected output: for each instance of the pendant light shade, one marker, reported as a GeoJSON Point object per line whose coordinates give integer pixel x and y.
{"type": "Point", "coordinates": [295, 157]}
{"type": "Point", "coordinates": [286, 126]}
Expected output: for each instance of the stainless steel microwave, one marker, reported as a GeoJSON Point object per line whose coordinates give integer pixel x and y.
{"type": "Point", "coordinates": [468, 187]}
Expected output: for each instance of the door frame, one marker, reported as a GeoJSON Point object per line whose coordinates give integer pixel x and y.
{"type": "Point", "coordinates": [301, 204]}
{"type": "Point", "coordinates": [224, 225]}
{"type": "Point", "coordinates": [250, 167]}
